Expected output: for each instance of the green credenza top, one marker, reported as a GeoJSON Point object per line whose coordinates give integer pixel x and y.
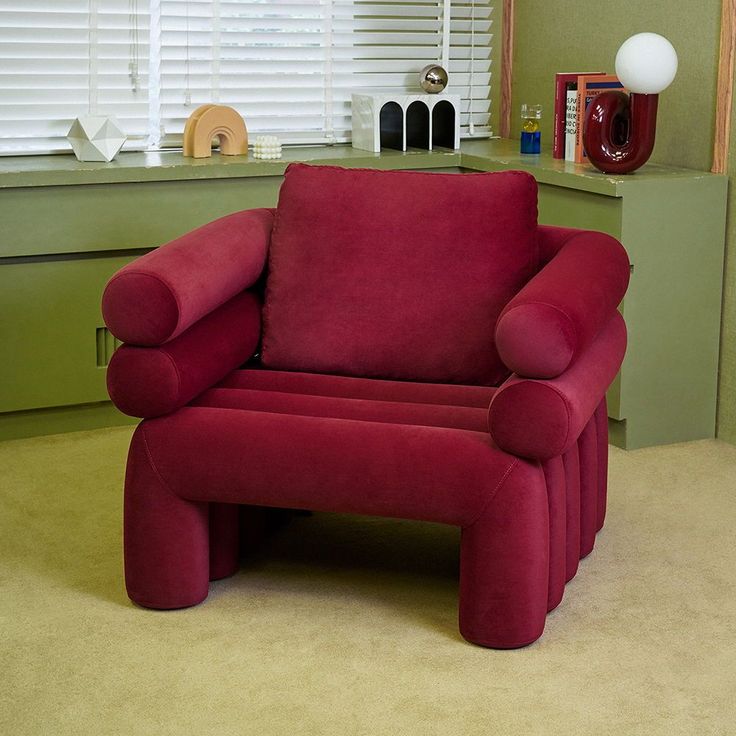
{"type": "Point", "coordinates": [68, 226]}
{"type": "Point", "coordinates": [38, 171]}
{"type": "Point", "coordinates": [492, 155]}
{"type": "Point", "coordinates": [480, 155]}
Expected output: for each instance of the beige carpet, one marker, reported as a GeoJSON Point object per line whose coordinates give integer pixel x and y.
{"type": "Point", "coordinates": [348, 626]}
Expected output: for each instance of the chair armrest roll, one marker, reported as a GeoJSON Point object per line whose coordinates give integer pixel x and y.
{"type": "Point", "coordinates": [152, 381]}
{"type": "Point", "coordinates": [158, 296]}
{"type": "Point", "coordinates": [541, 419]}
{"type": "Point", "coordinates": [559, 312]}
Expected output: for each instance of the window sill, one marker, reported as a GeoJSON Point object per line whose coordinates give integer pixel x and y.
{"type": "Point", "coordinates": [474, 155]}
{"type": "Point", "coordinates": [61, 169]}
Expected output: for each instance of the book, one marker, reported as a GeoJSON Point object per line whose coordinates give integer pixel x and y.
{"type": "Point", "coordinates": [588, 87]}
{"type": "Point", "coordinates": [562, 82]}
{"type": "Point", "coordinates": [571, 98]}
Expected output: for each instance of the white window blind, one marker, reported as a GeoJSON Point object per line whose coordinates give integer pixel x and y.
{"type": "Point", "coordinates": [288, 66]}
{"type": "Point", "coordinates": [391, 41]}
{"type": "Point", "coordinates": [265, 59]}
{"type": "Point", "coordinates": [63, 58]}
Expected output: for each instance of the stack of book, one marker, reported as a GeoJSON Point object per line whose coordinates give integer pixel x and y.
{"type": "Point", "coordinates": [573, 93]}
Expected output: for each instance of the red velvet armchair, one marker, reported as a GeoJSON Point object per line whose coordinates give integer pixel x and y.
{"type": "Point", "coordinates": [389, 343]}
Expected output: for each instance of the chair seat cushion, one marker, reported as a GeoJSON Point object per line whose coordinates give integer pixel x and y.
{"type": "Point", "coordinates": [315, 395]}
{"type": "Point", "coordinates": [272, 438]}
{"type": "Point", "coordinates": [396, 275]}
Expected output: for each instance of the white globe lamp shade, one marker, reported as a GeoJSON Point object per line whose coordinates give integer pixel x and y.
{"type": "Point", "coordinates": [646, 63]}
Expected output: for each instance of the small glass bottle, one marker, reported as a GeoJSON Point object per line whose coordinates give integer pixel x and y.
{"type": "Point", "coordinates": [531, 136]}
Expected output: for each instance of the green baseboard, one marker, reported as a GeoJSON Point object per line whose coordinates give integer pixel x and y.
{"type": "Point", "coordinates": [59, 419]}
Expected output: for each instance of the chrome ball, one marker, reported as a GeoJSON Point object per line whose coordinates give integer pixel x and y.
{"type": "Point", "coordinates": [433, 78]}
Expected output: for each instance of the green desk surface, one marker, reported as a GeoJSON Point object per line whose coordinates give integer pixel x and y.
{"type": "Point", "coordinates": [65, 231]}
{"type": "Point", "coordinates": [493, 155]}
{"type": "Point", "coordinates": [39, 171]}
{"type": "Point", "coordinates": [479, 155]}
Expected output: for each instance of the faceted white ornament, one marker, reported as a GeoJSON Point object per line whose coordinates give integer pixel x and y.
{"type": "Point", "coordinates": [95, 138]}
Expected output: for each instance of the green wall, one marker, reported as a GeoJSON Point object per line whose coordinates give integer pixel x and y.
{"type": "Point", "coordinates": [573, 35]}
{"type": "Point", "coordinates": [577, 35]}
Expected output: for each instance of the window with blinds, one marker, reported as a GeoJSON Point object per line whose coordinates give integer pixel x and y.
{"type": "Point", "coordinates": [63, 58]}
{"type": "Point", "coordinates": [383, 45]}
{"type": "Point", "coordinates": [288, 66]}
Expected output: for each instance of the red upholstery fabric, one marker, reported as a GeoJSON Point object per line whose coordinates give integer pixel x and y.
{"type": "Point", "coordinates": [393, 412]}
{"type": "Point", "coordinates": [557, 314]}
{"type": "Point", "coordinates": [424, 472]}
{"type": "Point", "coordinates": [601, 423]}
{"type": "Point", "coordinates": [422, 306]}
{"type": "Point", "coordinates": [316, 384]}
{"type": "Point", "coordinates": [326, 463]}
{"type": "Point", "coordinates": [542, 418]}
{"type": "Point", "coordinates": [149, 382]}
{"type": "Point", "coordinates": [588, 449]}
{"type": "Point", "coordinates": [521, 530]}
{"type": "Point", "coordinates": [396, 274]}
{"type": "Point", "coordinates": [166, 540]}
{"type": "Point", "coordinates": [554, 476]}
{"type": "Point", "coordinates": [571, 462]}
{"type": "Point", "coordinates": [158, 296]}
{"type": "Point", "coordinates": [504, 564]}
{"type": "Point", "coordinates": [550, 241]}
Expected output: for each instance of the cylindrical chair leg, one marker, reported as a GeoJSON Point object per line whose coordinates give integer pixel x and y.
{"type": "Point", "coordinates": [224, 540]}
{"type": "Point", "coordinates": [165, 538]}
{"type": "Point", "coordinates": [571, 462]}
{"type": "Point", "coordinates": [554, 475]}
{"type": "Point", "coordinates": [504, 564]}
{"type": "Point", "coordinates": [588, 447]}
{"type": "Point", "coordinates": [601, 425]}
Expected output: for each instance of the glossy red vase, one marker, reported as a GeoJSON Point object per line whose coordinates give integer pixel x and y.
{"type": "Point", "coordinates": [618, 131]}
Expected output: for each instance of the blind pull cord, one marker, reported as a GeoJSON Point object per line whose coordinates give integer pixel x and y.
{"type": "Point", "coordinates": [92, 56]}
{"type": "Point", "coordinates": [471, 124]}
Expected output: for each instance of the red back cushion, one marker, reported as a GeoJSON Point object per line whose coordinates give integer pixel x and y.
{"type": "Point", "coordinates": [396, 274]}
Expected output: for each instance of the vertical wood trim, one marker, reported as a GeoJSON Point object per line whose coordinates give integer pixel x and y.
{"type": "Point", "coordinates": [724, 87]}
{"type": "Point", "coordinates": [507, 56]}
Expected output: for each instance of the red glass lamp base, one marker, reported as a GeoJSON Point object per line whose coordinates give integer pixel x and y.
{"type": "Point", "coordinates": [618, 132]}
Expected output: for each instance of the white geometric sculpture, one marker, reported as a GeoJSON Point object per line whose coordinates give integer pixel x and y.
{"type": "Point", "coordinates": [385, 119]}
{"type": "Point", "coordinates": [95, 138]}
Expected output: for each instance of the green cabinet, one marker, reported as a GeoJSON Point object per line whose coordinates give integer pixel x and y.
{"type": "Point", "coordinates": [57, 344]}
{"type": "Point", "coordinates": [672, 223]}
{"type": "Point", "coordinates": [60, 246]}
{"type": "Point", "coordinates": [67, 227]}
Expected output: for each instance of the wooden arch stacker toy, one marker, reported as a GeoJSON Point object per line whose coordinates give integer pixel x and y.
{"type": "Point", "coordinates": [215, 121]}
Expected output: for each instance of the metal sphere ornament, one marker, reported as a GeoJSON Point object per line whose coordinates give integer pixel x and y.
{"type": "Point", "coordinates": [433, 79]}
